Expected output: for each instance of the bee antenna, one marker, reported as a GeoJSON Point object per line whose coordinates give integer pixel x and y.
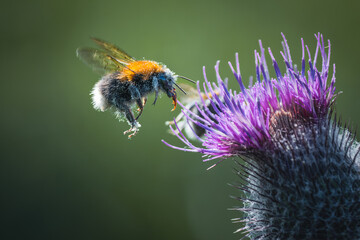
{"type": "Point", "coordinates": [187, 79]}
{"type": "Point", "coordinates": [180, 88]}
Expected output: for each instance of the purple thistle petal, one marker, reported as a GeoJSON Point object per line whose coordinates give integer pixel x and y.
{"type": "Point", "coordinates": [257, 67]}
{"type": "Point", "coordinates": [238, 76]}
{"type": "Point", "coordinates": [263, 60]}
{"type": "Point", "coordinates": [317, 47]}
{"type": "Point", "coordinates": [276, 66]}
{"type": "Point", "coordinates": [302, 58]}
{"type": "Point", "coordinates": [287, 50]}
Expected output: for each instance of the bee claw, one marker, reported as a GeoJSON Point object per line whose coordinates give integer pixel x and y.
{"type": "Point", "coordinates": [133, 130]}
{"type": "Point", "coordinates": [131, 135]}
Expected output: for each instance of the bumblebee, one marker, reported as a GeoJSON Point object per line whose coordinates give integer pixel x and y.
{"type": "Point", "coordinates": [192, 130]}
{"type": "Point", "coordinates": [127, 82]}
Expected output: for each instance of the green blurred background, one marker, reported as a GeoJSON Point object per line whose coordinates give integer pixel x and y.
{"type": "Point", "coordinates": [68, 172]}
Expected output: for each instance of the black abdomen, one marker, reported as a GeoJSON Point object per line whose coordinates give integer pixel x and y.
{"type": "Point", "coordinates": [121, 93]}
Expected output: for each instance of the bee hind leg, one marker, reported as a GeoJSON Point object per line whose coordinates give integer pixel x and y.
{"type": "Point", "coordinates": [132, 121]}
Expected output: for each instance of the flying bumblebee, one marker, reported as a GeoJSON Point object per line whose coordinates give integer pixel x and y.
{"type": "Point", "coordinates": [127, 82]}
{"type": "Point", "coordinates": [192, 130]}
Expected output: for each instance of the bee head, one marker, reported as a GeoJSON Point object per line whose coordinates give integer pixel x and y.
{"type": "Point", "coordinates": [166, 80]}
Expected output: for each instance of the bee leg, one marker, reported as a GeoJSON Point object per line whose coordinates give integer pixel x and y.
{"type": "Point", "coordinates": [156, 96]}
{"type": "Point", "coordinates": [134, 124]}
{"type": "Point", "coordinates": [134, 91]}
{"type": "Point", "coordinates": [139, 102]}
{"type": "Point", "coordinates": [144, 100]}
{"type": "Point", "coordinates": [155, 85]}
{"type": "Point", "coordinates": [130, 117]}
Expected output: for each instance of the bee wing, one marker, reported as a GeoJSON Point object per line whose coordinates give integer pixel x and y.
{"type": "Point", "coordinates": [99, 60]}
{"type": "Point", "coordinates": [113, 50]}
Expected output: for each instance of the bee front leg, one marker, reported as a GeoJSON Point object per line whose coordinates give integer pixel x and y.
{"type": "Point", "coordinates": [156, 96]}
{"type": "Point", "coordinates": [139, 102]}
{"type": "Point", "coordinates": [155, 85]}
{"type": "Point", "coordinates": [144, 100]}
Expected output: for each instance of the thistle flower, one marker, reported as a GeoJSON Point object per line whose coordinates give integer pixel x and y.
{"type": "Point", "coordinates": [299, 178]}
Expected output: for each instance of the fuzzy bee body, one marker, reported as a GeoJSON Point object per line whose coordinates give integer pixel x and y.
{"type": "Point", "coordinates": [126, 82]}
{"type": "Point", "coordinates": [115, 90]}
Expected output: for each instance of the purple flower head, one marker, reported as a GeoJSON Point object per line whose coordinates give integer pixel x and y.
{"type": "Point", "coordinates": [300, 168]}
{"type": "Point", "coordinates": [239, 123]}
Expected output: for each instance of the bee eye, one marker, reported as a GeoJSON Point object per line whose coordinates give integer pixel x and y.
{"type": "Point", "coordinates": [161, 77]}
